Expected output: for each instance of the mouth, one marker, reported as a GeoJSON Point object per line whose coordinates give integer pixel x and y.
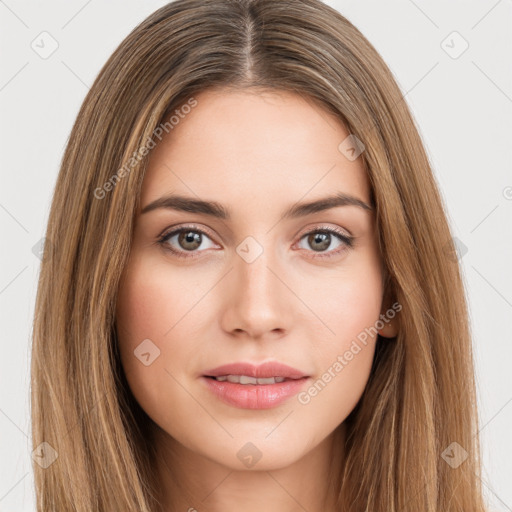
{"type": "Point", "coordinates": [248, 380]}
{"type": "Point", "coordinates": [248, 386]}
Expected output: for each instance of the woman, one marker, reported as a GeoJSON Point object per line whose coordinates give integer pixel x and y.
{"type": "Point", "coordinates": [204, 341]}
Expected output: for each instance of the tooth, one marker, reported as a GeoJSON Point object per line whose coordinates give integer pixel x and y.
{"type": "Point", "coordinates": [244, 379]}
{"type": "Point", "coordinates": [269, 380]}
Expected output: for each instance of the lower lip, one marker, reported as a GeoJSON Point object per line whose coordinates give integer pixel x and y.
{"type": "Point", "coordinates": [255, 396]}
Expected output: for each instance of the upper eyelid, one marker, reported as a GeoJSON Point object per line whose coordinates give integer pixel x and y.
{"type": "Point", "coordinates": [176, 229]}
{"type": "Point", "coordinates": [318, 227]}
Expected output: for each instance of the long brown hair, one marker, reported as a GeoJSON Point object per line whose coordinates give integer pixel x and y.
{"type": "Point", "coordinates": [420, 398]}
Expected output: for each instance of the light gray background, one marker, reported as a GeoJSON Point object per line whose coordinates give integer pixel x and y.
{"type": "Point", "coordinates": [462, 106]}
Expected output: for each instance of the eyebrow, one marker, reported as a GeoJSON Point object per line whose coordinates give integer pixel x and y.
{"type": "Point", "coordinates": [217, 210]}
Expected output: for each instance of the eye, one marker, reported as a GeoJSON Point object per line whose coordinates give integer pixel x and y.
{"type": "Point", "coordinates": [188, 239]}
{"type": "Point", "coordinates": [321, 239]}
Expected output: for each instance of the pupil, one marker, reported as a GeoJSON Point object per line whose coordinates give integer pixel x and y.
{"type": "Point", "coordinates": [190, 237]}
{"type": "Point", "coordinates": [322, 238]}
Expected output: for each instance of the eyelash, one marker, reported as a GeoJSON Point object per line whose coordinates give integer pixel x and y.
{"type": "Point", "coordinates": [347, 241]}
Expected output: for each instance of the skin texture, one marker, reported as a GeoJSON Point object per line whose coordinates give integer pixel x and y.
{"type": "Point", "coordinates": [257, 153]}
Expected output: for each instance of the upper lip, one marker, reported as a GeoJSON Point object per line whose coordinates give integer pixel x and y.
{"type": "Point", "coordinates": [264, 370]}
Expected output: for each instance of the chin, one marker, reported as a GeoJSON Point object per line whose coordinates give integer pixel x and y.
{"type": "Point", "coordinates": [254, 454]}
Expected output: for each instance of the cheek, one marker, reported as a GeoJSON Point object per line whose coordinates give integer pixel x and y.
{"type": "Point", "coordinates": [143, 307]}
{"type": "Point", "coordinates": [349, 307]}
{"type": "Point", "coordinates": [148, 317]}
{"type": "Point", "coordinates": [349, 301]}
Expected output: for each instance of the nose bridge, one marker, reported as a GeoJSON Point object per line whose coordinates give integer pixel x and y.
{"type": "Point", "coordinates": [257, 304]}
{"type": "Point", "coordinates": [252, 271]}
{"type": "Point", "coordinates": [252, 268]}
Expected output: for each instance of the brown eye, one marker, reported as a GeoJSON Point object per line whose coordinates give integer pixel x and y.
{"type": "Point", "coordinates": [185, 240]}
{"type": "Point", "coordinates": [319, 241]}
{"type": "Point", "coordinates": [189, 240]}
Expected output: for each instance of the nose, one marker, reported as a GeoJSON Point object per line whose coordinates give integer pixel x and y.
{"type": "Point", "coordinates": [258, 303]}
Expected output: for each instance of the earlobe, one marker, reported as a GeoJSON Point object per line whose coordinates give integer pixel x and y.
{"type": "Point", "coordinates": [390, 329]}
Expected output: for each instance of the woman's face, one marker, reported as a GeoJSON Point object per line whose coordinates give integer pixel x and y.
{"type": "Point", "coordinates": [246, 283]}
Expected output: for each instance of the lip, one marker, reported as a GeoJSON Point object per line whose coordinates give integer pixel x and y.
{"type": "Point", "coordinates": [255, 396]}
{"type": "Point", "coordinates": [267, 369]}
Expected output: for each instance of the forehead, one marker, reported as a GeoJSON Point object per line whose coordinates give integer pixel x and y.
{"type": "Point", "coordinates": [253, 147]}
